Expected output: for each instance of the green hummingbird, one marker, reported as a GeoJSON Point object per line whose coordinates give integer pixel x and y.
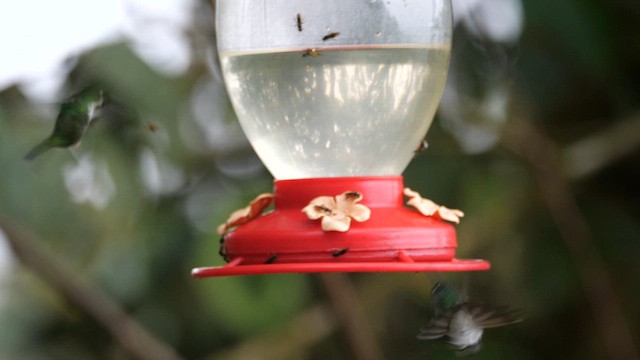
{"type": "Point", "coordinates": [75, 115]}
{"type": "Point", "coordinates": [461, 323]}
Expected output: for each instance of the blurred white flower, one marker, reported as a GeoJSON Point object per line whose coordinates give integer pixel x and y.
{"type": "Point", "coordinates": [89, 181]}
{"type": "Point", "coordinates": [159, 175]}
{"type": "Point", "coordinates": [475, 122]}
{"type": "Point", "coordinates": [499, 20]}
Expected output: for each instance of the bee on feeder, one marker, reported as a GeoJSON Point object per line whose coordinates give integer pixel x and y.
{"type": "Point", "coordinates": [222, 251]}
{"type": "Point", "coordinates": [338, 253]}
{"type": "Point", "coordinates": [271, 259]}
{"type": "Point", "coordinates": [299, 22]}
{"type": "Point", "coordinates": [311, 52]}
{"type": "Point", "coordinates": [422, 147]}
{"type": "Point", "coordinates": [330, 36]}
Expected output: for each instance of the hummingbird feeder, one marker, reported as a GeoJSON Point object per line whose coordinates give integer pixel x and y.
{"type": "Point", "coordinates": [336, 97]}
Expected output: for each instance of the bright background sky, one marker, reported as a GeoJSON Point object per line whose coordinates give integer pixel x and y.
{"type": "Point", "coordinates": [38, 36]}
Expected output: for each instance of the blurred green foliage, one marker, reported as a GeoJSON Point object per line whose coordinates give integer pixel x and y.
{"type": "Point", "coordinates": [160, 179]}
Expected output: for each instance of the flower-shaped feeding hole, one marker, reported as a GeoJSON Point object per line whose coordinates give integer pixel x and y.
{"type": "Point", "coordinates": [242, 216]}
{"type": "Point", "coordinates": [429, 208]}
{"type": "Point", "coordinates": [337, 212]}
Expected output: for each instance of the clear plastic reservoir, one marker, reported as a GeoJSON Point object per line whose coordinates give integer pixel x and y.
{"type": "Point", "coordinates": [349, 88]}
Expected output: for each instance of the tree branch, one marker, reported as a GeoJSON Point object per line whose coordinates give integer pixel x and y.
{"type": "Point", "coordinates": [131, 335]}
{"type": "Point", "coordinates": [595, 152]}
{"type": "Point", "coordinates": [344, 301]}
{"type": "Point", "coordinates": [541, 153]}
{"type": "Point", "coordinates": [304, 330]}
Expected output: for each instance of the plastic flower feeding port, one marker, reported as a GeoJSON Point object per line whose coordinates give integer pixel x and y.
{"type": "Point", "coordinates": [336, 97]}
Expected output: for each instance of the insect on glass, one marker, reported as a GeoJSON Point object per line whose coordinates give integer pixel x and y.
{"type": "Point", "coordinates": [340, 252]}
{"type": "Point", "coordinates": [299, 22]}
{"type": "Point", "coordinates": [330, 36]}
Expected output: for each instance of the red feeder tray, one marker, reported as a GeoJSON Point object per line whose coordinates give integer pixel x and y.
{"type": "Point", "coordinates": [394, 239]}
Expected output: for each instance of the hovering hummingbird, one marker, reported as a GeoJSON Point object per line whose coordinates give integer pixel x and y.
{"type": "Point", "coordinates": [461, 323]}
{"type": "Point", "coordinates": [74, 118]}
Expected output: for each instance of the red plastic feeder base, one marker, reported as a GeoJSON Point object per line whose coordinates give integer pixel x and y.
{"type": "Point", "coordinates": [394, 239]}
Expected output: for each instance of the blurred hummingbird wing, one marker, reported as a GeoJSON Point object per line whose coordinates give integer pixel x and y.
{"type": "Point", "coordinates": [437, 327]}
{"type": "Point", "coordinates": [487, 316]}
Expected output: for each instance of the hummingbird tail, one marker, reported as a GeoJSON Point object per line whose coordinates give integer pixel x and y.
{"type": "Point", "coordinates": [37, 150]}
